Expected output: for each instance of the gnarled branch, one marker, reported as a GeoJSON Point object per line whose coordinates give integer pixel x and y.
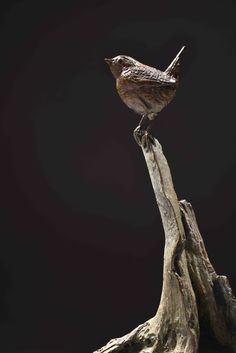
{"type": "Point", "coordinates": [191, 288]}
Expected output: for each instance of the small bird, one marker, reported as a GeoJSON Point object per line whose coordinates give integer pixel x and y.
{"type": "Point", "coordinates": [144, 89]}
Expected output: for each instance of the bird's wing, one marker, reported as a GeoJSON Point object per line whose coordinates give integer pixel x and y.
{"type": "Point", "coordinates": [148, 76]}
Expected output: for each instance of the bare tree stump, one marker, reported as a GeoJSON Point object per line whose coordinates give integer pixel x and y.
{"type": "Point", "coordinates": [191, 288]}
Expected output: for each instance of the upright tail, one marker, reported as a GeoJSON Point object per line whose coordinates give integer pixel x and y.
{"type": "Point", "coordinates": [173, 68]}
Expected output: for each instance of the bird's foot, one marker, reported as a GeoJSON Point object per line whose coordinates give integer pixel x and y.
{"type": "Point", "coordinates": [143, 138]}
{"type": "Point", "coordinates": [138, 134]}
{"type": "Point", "coordinates": [147, 141]}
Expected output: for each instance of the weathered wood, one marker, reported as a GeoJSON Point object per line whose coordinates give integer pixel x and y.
{"type": "Point", "coordinates": [186, 271]}
{"type": "Point", "coordinates": [216, 303]}
{"type": "Point", "coordinates": [174, 328]}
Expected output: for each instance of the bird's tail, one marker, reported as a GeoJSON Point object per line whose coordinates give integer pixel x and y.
{"type": "Point", "coordinates": [173, 68]}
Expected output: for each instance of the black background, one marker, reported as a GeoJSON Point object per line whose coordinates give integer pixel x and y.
{"type": "Point", "coordinates": [81, 236]}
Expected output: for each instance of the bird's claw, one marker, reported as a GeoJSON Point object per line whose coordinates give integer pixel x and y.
{"type": "Point", "coordinates": [138, 134]}
{"type": "Point", "coordinates": [143, 138]}
{"type": "Point", "coordinates": [147, 141]}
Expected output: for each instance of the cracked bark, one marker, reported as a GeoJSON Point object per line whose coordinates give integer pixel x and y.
{"type": "Point", "coordinates": [191, 288]}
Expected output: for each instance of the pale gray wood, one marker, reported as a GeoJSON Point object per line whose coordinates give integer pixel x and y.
{"type": "Point", "coordinates": [175, 327]}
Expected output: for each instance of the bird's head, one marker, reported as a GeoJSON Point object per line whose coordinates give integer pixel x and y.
{"type": "Point", "coordinates": [119, 63]}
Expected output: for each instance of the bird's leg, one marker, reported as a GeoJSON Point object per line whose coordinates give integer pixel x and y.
{"type": "Point", "coordinates": [142, 122]}
{"type": "Point", "coordinates": [139, 131]}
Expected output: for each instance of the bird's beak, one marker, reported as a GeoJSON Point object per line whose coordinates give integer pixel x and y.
{"type": "Point", "coordinates": [108, 61]}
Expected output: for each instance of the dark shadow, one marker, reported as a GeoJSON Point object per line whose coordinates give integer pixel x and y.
{"type": "Point", "coordinates": [207, 344]}
{"type": "Point", "coordinates": [5, 285]}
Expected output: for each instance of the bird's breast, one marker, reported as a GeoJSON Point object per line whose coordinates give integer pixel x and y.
{"type": "Point", "coordinates": [129, 96]}
{"type": "Point", "coordinates": [144, 99]}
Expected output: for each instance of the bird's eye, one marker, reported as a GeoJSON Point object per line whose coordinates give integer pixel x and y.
{"type": "Point", "coordinates": [120, 61]}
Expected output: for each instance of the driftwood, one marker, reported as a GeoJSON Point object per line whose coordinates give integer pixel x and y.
{"type": "Point", "coordinates": [192, 292]}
